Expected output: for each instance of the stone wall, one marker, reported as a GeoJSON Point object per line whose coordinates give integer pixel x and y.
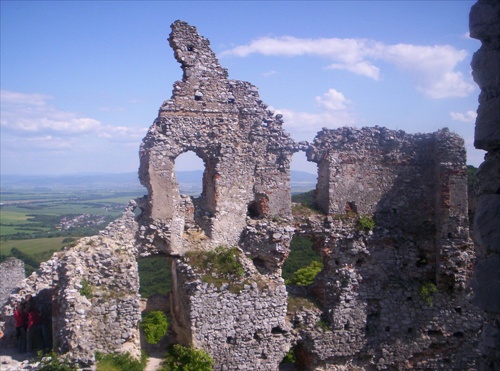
{"type": "Point", "coordinates": [371, 291]}
{"type": "Point", "coordinates": [241, 329]}
{"type": "Point", "coordinates": [484, 24]}
{"type": "Point", "coordinates": [11, 275]}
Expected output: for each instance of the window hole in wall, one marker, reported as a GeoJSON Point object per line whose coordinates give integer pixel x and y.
{"type": "Point", "coordinates": [260, 265]}
{"type": "Point", "coordinates": [259, 207]}
{"type": "Point", "coordinates": [155, 276]}
{"type": "Point", "coordinates": [350, 207]}
{"type": "Point", "coordinates": [303, 174]}
{"type": "Point", "coordinates": [277, 330]}
{"type": "Point", "coordinates": [434, 333]}
{"type": "Point", "coordinates": [189, 173]}
{"type": "Point", "coordinates": [301, 256]}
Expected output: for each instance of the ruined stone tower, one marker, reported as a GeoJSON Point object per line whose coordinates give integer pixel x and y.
{"type": "Point", "coordinates": [243, 146]}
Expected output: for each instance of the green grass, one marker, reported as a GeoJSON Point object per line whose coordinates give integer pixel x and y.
{"type": "Point", "coordinates": [12, 215]}
{"type": "Point", "coordinates": [34, 246]}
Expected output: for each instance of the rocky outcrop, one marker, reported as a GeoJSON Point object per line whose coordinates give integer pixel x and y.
{"type": "Point", "coordinates": [484, 24]}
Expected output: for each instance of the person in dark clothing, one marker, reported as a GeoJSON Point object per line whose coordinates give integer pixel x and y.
{"type": "Point", "coordinates": [33, 330]}
{"type": "Point", "coordinates": [21, 319]}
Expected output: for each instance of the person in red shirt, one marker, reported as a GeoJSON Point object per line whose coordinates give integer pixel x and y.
{"type": "Point", "coordinates": [33, 330]}
{"type": "Point", "coordinates": [21, 319]}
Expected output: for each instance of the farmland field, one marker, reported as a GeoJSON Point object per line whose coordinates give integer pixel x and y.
{"type": "Point", "coordinates": [33, 246]}
{"type": "Point", "coordinates": [36, 223]}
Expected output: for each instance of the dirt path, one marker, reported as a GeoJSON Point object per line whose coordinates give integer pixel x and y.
{"type": "Point", "coordinates": [154, 360]}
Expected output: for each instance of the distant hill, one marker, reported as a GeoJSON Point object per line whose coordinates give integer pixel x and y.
{"type": "Point", "coordinates": [190, 181]}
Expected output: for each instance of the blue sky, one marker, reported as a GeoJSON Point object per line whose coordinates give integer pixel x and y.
{"type": "Point", "coordinates": [81, 81]}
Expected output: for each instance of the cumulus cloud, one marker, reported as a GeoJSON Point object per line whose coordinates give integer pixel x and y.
{"type": "Point", "coordinates": [332, 100]}
{"type": "Point", "coordinates": [31, 114]}
{"type": "Point", "coordinates": [467, 117]}
{"type": "Point", "coordinates": [433, 67]}
{"type": "Point", "coordinates": [335, 112]}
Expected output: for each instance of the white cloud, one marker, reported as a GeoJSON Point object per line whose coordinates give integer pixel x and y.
{"type": "Point", "coordinates": [335, 113]}
{"type": "Point", "coordinates": [30, 114]}
{"type": "Point", "coordinates": [467, 117]}
{"type": "Point", "coordinates": [332, 100]}
{"type": "Point", "coordinates": [359, 68]}
{"type": "Point", "coordinates": [269, 73]}
{"type": "Point", "coordinates": [433, 67]}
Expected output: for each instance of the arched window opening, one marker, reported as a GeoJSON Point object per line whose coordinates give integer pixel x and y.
{"type": "Point", "coordinates": [189, 173]}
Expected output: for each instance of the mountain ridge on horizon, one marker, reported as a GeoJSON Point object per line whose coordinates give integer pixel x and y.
{"type": "Point", "coordinates": [189, 179]}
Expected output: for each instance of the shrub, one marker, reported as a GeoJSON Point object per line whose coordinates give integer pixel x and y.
{"type": "Point", "coordinates": [119, 362]}
{"type": "Point", "coordinates": [305, 276]}
{"type": "Point", "coordinates": [427, 291]}
{"type": "Point", "coordinates": [300, 256]}
{"type": "Point", "coordinates": [154, 325]}
{"type": "Point", "coordinates": [289, 357]}
{"type": "Point", "coordinates": [179, 358]}
{"type": "Point", "coordinates": [366, 223]}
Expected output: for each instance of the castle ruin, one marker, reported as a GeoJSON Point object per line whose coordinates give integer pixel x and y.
{"type": "Point", "coordinates": [370, 309]}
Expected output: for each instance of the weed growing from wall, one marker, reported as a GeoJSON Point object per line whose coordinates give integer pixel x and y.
{"type": "Point", "coordinates": [366, 223]}
{"type": "Point", "coordinates": [218, 266]}
{"type": "Point", "coordinates": [86, 289]}
{"type": "Point", "coordinates": [427, 291]}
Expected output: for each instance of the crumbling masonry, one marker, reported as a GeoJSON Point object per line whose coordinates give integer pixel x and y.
{"type": "Point", "coordinates": [367, 308]}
